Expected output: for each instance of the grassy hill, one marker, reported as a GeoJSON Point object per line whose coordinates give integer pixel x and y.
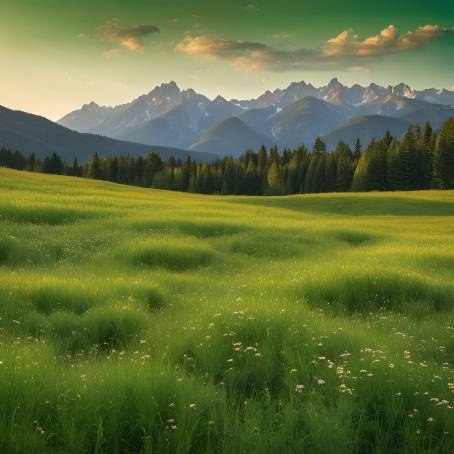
{"type": "Point", "coordinates": [137, 320]}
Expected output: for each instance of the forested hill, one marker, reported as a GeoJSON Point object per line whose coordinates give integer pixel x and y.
{"type": "Point", "coordinates": [420, 159]}
{"type": "Point", "coordinates": [34, 134]}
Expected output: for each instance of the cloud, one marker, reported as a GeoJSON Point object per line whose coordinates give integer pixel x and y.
{"type": "Point", "coordinates": [344, 51]}
{"type": "Point", "coordinates": [130, 38]}
{"type": "Point", "coordinates": [281, 35]}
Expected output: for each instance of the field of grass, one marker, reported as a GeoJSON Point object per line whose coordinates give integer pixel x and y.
{"type": "Point", "coordinates": [136, 320]}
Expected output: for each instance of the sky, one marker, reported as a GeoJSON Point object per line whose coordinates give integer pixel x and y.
{"type": "Point", "coordinates": [57, 55]}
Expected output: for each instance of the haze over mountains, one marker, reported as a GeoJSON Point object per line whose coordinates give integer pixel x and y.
{"type": "Point", "coordinates": [34, 134]}
{"type": "Point", "coordinates": [168, 116]}
{"type": "Point", "coordinates": [174, 122]}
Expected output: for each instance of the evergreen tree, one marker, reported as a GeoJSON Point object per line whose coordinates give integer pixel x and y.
{"type": "Point", "coordinates": [319, 145]}
{"type": "Point", "coordinates": [371, 171]}
{"type": "Point", "coordinates": [357, 150]}
{"type": "Point", "coordinates": [444, 156]}
{"type": "Point", "coordinates": [75, 168]}
{"type": "Point", "coordinates": [250, 178]}
{"type": "Point", "coordinates": [344, 172]}
{"type": "Point", "coordinates": [329, 183]}
{"type": "Point", "coordinates": [53, 164]}
{"type": "Point", "coordinates": [31, 163]}
{"type": "Point", "coordinates": [406, 177]}
{"type": "Point", "coordinates": [192, 185]}
{"type": "Point", "coordinates": [394, 166]}
{"type": "Point", "coordinates": [429, 148]}
{"type": "Point", "coordinates": [94, 168]}
{"type": "Point", "coordinates": [275, 184]}
{"type": "Point", "coordinates": [228, 180]}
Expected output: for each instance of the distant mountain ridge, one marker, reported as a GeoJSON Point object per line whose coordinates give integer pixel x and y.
{"type": "Point", "coordinates": [170, 117]}
{"type": "Point", "coordinates": [230, 137]}
{"type": "Point", "coordinates": [365, 128]}
{"type": "Point", "coordinates": [34, 134]}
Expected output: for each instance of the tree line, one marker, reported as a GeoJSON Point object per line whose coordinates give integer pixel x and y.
{"type": "Point", "coordinates": [420, 159]}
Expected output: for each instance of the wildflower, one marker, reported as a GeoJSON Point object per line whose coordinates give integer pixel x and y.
{"type": "Point", "coordinates": [211, 422]}
{"type": "Point", "coordinates": [299, 388]}
{"type": "Point", "coordinates": [293, 371]}
{"type": "Point", "coordinates": [430, 419]}
{"type": "Point", "coordinates": [193, 406]}
{"type": "Point", "coordinates": [320, 381]}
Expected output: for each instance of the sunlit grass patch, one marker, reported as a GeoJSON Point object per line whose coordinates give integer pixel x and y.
{"type": "Point", "coordinates": [207, 229]}
{"type": "Point", "coordinates": [437, 262]}
{"type": "Point", "coordinates": [52, 298]}
{"type": "Point", "coordinates": [104, 328]}
{"type": "Point", "coordinates": [269, 246]}
{"type": "Point", "coordinates": [152, 297]}
{"type": "Point", "coordinates": [364, 291]}
{"type": "Point", "coordinates": [174, 255]}
{"type": "Point", "coordinates": [240, 351]}
{"type": "Point", "coordinates": [23, 292]}
{"type": "Point", "coordinates": [139, 403]}
{"type": "Point", "coordinates": [45, 214]}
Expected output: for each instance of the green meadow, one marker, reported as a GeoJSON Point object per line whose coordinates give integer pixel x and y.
{"type": "Point", "coordinates": [145, 321]}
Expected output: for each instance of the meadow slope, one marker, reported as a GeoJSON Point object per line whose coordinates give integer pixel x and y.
{"type": "Point", "coordinates": [138, 320]}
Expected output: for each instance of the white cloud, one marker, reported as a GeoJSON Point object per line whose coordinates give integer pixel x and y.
{"type": "Point", "coordinates": [130, 38]}
{"type": "Point", "coordinates": [281, 35]}
{"type": "Point", "coordinates": [345, 50]}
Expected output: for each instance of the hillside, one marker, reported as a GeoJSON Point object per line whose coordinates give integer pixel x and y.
{"type": "Point", "coordinates": [366, 128]}
{"type": "Point", "coordinates": [155, 318]}
{"type": "Point", "coordinates": [34, 134]}
{"type": "Point", "coordinates": [303, 120]}
{"type": "Point", "coordinates": [231, 137]}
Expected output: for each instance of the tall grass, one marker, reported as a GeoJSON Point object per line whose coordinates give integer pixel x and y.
{"type": "Point", "coordinates": [135, 320]}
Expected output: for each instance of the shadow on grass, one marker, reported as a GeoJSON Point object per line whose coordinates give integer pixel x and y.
{"type": "Point", "coordinates": [371, 205]}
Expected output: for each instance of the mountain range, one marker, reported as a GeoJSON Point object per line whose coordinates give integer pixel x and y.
{"type": "Point", "coordinates": [181, 123]}
{"type": "Point", "coordinates": [170, 117]}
